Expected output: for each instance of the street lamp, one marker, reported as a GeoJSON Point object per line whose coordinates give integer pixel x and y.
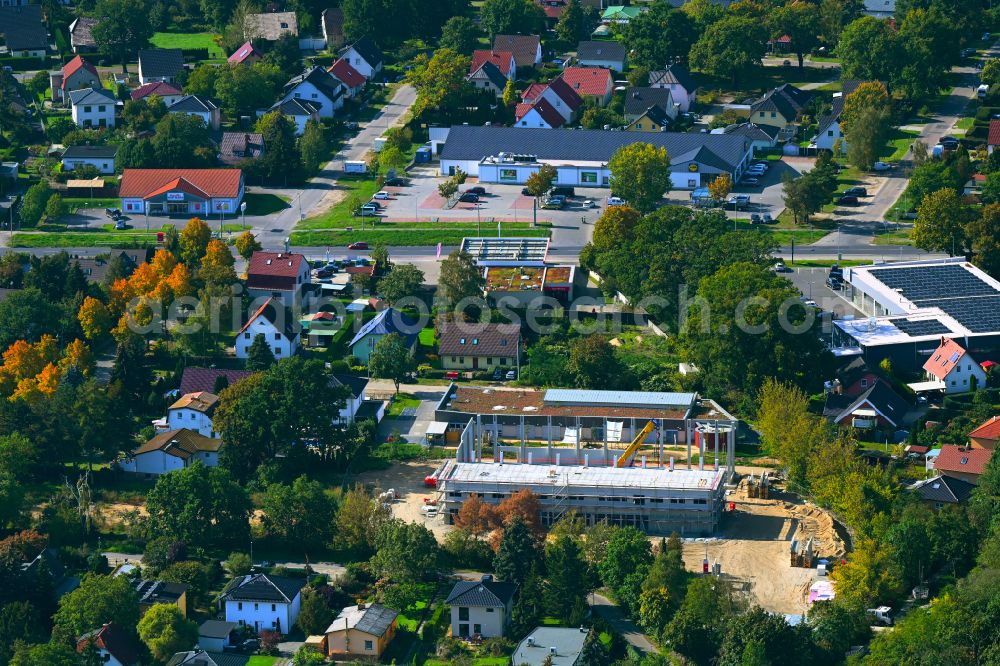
{"type": "Point", "coordinates": [479, 221]}
{"type": "Point", "coordinates": [243, 209]}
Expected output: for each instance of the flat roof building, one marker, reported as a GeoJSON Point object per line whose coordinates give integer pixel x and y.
{"type": "Point", "coordinates": [507, 251]}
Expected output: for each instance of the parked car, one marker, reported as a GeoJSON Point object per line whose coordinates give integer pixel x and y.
{"type": "Point", "coordinates": [113, 213]}
{"type": "Point", "coordinates": [497, 374]}
{"type": "Point", "coordinates": [755, 219]}
{"type": "Point", "coordinates": [590, 203]}
{"type": "Point", "coordinates": [553, 203]}
{"type": "Point", "coordinates": [358, 245]}
{"type": "Point", "coordinates": [397, 182]}
{"type": "Point", "coordinates": [511, 374]}
{"type": "Point", "coordinates": [563, 191]}
{"type": "Point", "coordinates": [526, 192]}
{"type": "Point", "coordinates": [833, 283]}
{"type": "Point", "coordinates": [616, 201]}
{"type": "Point", "coordinates": [351, 125]}
{"type": "Point", "coordinates": [749, 180]}
{"type": "Point", "coordinates": [786, 63]}
{"type": "Point", "coordinates": [767, 219]}
{"type": "Point", "coordinates": [381, 195]}
{"type": "Point", "coordinates": [757, 169]}
{"type": "Point", "coordinates": [780, 267]}
{"type": "Point", "coordinates": [120, 224]}
{"type": "Point", "coordinates": [856, 192]}
{"type": "Point", "coordinates": [368, 209]}
{"type": "Point", "coordinates": [469, 198]}
{"type": "Point", "coordinates": [324, 272]}
{"type": "Point", "coordinates": [849, 200]}
{"type": "Point", "coordinates": [478, 189]}
{"type": "Point", "coordinates": [986, 36]}
{"type": "Point", "coordinates": [886, 166]}
{"type": "Point", "coordinates": [451, 374]}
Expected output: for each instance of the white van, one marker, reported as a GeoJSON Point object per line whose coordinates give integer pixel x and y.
{"type": "Point", "coordinates": [982, 91]}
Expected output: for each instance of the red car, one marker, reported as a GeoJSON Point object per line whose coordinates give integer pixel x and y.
{"type": "Point", "coordinates": [358, 245]}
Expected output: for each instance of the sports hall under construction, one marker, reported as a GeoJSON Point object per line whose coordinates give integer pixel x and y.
{"type": "Point", "coordinates": [656, 461]}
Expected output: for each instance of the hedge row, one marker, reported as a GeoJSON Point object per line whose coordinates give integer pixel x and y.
{"type": "Point", "coordinates": [27, 63]}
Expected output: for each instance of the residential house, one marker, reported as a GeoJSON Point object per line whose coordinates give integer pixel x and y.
{"type": "Point", "coordinates": [761, 137]}
{"type": "Point", "coordinates": [195, 379]}
{"type": "Point", "coordinates": [245, 55]}
{"type": "Point", "coordinates": [540, 114]}
{"type": "Point", "coordinates": [216, 635]}
{"type": "Point", "coordinates": [607, 54]}
{"type": "Point", "coordinates": [186, 192]}
{"type": "Point", "coordinates": [332, 19]}
{"type": "Point", "coordinates": [594, 83]}
{"type": "Point", "coordinates": [194, 411]}
{"type": "Point", "coordinates": [153, 592]}
{"type": "Point", "coordinates": [318, 86]}
{"type": "Point", "coordinates": [473, 346]}
{"type": "Point", "coordinates": [781, 107]}
{"type": "Point", "coordinates": [81, 37]}
{"type": "Point", "coordinates": [638, 101]}
{"type": "Point", "coordinates": [319, 327]}
{"type": "Point", "coordinates": [880, 9]}
{"type": "Point", "coordinates": [558, 93]}
{"type": "Point", "coordinates": [954, 368]}
{"type": "Point", "coordinates": [23, 32]}
{"type": "Point", "coordinates": [653, 119]}
{"type": "Point", "coordinates": [199, 107]}
{"type": "Point", "coordinates": [680, 82]}
{"type": "Point", "coordinates": [351, 78]}
{"type": "Point", "coordinates": [112, 644]}
{"type": "Point", "coordinates": [274, 321]}
{"type": "Point", "coordinates": [172, 450]}
{"type": "Point", "coordinates": [489, 77]}
{"type": "Point", "coordinates": [553, 646]}
{"type": "Point", "coordinates": [76, 74]}
{"type": "Point", "coordinates": [101, 158]}
{"type": "Point", "coordinates": [262, 601]}
{"type": "Point", "coordinates": [830, 134]}
{"type": "Point", "coordinates": [279, 275]}
{"type": "Point", "coordinates": [93, 107]}
{"type": "Point", "coordinates": [364, 56]}
{"type": "Point", "coordinates": [384, 323]}
{"type": "Point", "coordinates": [503, 60]}
{"type": "Point", "coordinates": [527, 49]}
{"type": "Point", "coordinates": [878, 407]}
{"type": "Point", "coordinates": [62, 583]}
{"type": "Point", "coordinates": [356, 387]}
{"type": "Point", "coordinates": [986, 435]}
{"type": "Point", "coordinates": [554, 10]}
{"type": "Point", "coordinates": [481, 608]}
{"type": "Point", "coordinates": [271, 26]}
{"type": "Point", "coordinates": [620, 13]}
{"type": "Point", "coordinates": [160, 65]}
{"type": "Point", "coordinates": [962, 462]}
{"type": "Point", "coordinates": [942, 490]}
{"type": "Point", "coordinates": [300, 111]}
{"type": "Point", "coordinates": [168, 92]}
{"type": "Point", "coordinates": [364, 630]}
{"type": "Point", "coordinates": [993, 138]}
{"type": "Point", "coordinates": [237, 147]}
{"type": "Point", "coordinates": [202, 658]}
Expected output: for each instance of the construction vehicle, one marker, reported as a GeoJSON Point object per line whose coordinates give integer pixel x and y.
{"type": "Point", "coordinates": [626, 458]}
{"type": "Point", "coordinates": [881, 615]}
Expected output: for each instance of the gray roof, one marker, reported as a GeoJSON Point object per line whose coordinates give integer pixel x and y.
{"type": "Point", "coordinates": [650, 399]}
{"type": "Point", "coordinates": [238, 146]}
{"type": "Point", "coordinates": [202, 658]}
{"type": "Point", "coordinates": [324, 81]}
{"type": "Point", "coordinates": [944, 489]}
{"type": "Point", "coordinates": [467, 142]}
{"type": "Point", "coordinates": [92, 96]}
{"type": "Point", "coordinates": [786, 99]}
{"type": "Point", "coordinates": [374, 620]}
{"type": "Point", "coordinates": [161, 62]}
{"type": "Point", "coordinates": [90, 152]}
{"type": "Point", "coordinates": [637, 100]}
{"type": "Point", "coordinates": [657, 115]}
{"type": "Point", "coordinates": [295, 107]}
{"type": "Point", "coordinates": [882, 398]}
{"type": "Point", "coordinates": [263, 587]}
{"type": "Point", "coordinates": [356, 384]}
{"type": "Point", "coordinates": [389, 321]}
{"type": "Point", "coordinates": [192, 104]}
{"type": "Point", "coordinates": [493, 73]}
{"type": "Point", "coordinates": [81, 32]}
{"type": "Point", "coordinates": [482, 594]}
{"type": "Point", "coordinates": [601, 51]}
{"type": "Point", "coordinates": [216, 628]}
{"type": "Point", "coordinates": [367, 49]}
{"type": "Point", "coordinates": [753, 131]}
{"type": "Point", "coordinates": [568, 644]}
{"type": "Point", "coordinates": [22, 28]}
{"type": "Point", "coordinates": [675, 74]}
{"type": "Point", "coordinates": [880, 6]}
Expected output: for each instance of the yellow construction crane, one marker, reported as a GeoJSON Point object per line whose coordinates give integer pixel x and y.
{"type": "Point", "coordinates": [626, 456]}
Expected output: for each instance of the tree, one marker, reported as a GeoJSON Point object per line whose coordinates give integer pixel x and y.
{"type": "Point", "coordinates": [867, 134]}
{"type": "Point", "coordinates": [594, 652]}
{"type": "Point", "coordinates": [98, 600]}
{"type": "Point", "coordinates": [201, 80]}
{"type": "Point", "coordinates": [300, 515]}
{"type": "Point", "coordinates": [509, 93]}
{"type": "Point", "coordinates": [315, 614]}
{"type": "Point", "coordinates": [940, 223]}
{"type": "Point", "coordinates": [404, 552]}
{"type": "Point", "coordinates": [809, 192]}
{"type": "Point", "coordinates": [507, 17]}
{"type": "Point", "coordinates": [460, 278]}
{"type": "Point", "coordinates": [182, 141]}
{"type": "Point", "coordinates": [440, 81]}
{"type": "Point", "coordinates": [625, 564]}
{"type": "Point", "coordinates": [720, 187]}
{"type": "Point", "coordinates": [869, 50]}
{"type": "Point", "coordinates": [593, 363]}
{"type": "Point", "coordinates": [95, 321]}
{"type": "Point", "coordinates": [870, 575]}
{"type": "Point", "coordinates": [460, 34]}
{"type": "Point", "coordinates": [983, 238]}
{"type": "Point", "coordinates": [391, 359]}
{"type": "Point", "coordinates": [540, 181]}
{"type": "Point", "coordinates": [359, 518]}
{"type": "Point", "coordinates": [991, 72]}
{"type": "Point", "coordinates": [259, 354]}
{"type": "Point", "coordinates": [237, 564]}
{"type": "Point", "coordinates": [246, 244]}
{"type": "Point", "coordinates": [194, 241]}
{"type": "Point", "coordinates": [759, 638]}
{"type": "Point", "coordinates": [640, 174]}
{"type": "Point", "coordinates": [730, 47]}
{"type": "Point", "coordinates": [33, 203]}
{"type": "Point", "coordinates": [565, 588]}
{"type": "Point", "coordinates": [528, 610]}
{"type": "Point", "coordinates": [788, 431]}
{"type": "Point", "coordinates": [403, 281]}
{"type": "Point", "coordinates": [314, 147]}
{"type": "Point", "coordinates": [200, 505]}
{"type": "Point", "coordinates": [165, 630]}
{"type": "Point", "coordinates": [282, 157]}
{"type": "Point", "coordinates": [571, 24]}
{"type": "Point", "coordinates": [476, 516]}
{"type": "Point", "coordinates": [800, 21]}
{"type": "Point", "coordinates": [19, 622]}
{"type": "Point", "coordinates": [55, 208]}
{"type": "Point", "coordinates": [216, 266]}
{"type": "Point", "coordinates": [596, 117]}
{"type": "Point", "coordinates": [868, 95]}
{"type": "Point", "coordinates": [122, 29]}
{"type": "Point", "coordinates": [516, 553]}
{"type": "Point", "coordinates": [50, 654]}
{"type": "Point", "coordinates": [242, 89]}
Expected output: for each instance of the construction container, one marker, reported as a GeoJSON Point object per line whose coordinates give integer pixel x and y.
{"type": "Point", "coordinates": [423, 155]}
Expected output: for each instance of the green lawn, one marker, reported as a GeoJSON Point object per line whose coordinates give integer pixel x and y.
{"type": "Point", "coordinates": [785, 236]}
{"type": "Point", "coordinates": [898, 144]}
{"type": "Point", "coordinates": [411, 233]}
{"type": "Point", "coordinates": [826, 263]}
{"type": "Point", "coordinates": [342, 215]}
{"type": "Point", "coordinates": [196, 40]}
{"type": "Point", "coordinates": [965, 124]}
{"type": "Point", "coordinates": [476, 661]}
{"type": "Point", "coordinates": [401, 402]}
{"type": "Point", "coordinates": [427, 337]}
{"type": "Point", "coordinates": [259, 203]}
{"type": "Point", "coordinates": [76, 203]}
{"type": "Point", "coordinates": [261, 660]}
{"type": "Point", "coordinates": [898, 237]}
{"type": "Point", "coordinates": [82, 239]}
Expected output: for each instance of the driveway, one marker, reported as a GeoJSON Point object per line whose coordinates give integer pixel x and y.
{"type": "Point", "coordinates": [620, 622]}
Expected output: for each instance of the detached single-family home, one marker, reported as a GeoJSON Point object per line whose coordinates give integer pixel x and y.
{"type": "Point", "coordinates": [364, 630]}
{"type": "Point", "coordinates": [620, 13]}
{"type": "Point", "coordinates": [880, 9]}
{"type": "Point", "coordinates": [101, 158]}
{"type": "Point", "coordinates": [653, 119]}
{"type": "Point", "coordinates": [489, 77]}
{"type": "Point", "coordinates": [245, 55]}
{"type": "Point", "coordinates": [557, 646]}
{"type": "Point", "coordinates": [300, 111]}
{"type": "Point", "coordinates": [201, 657]}
{"type": "Point", "coordinates": [76, 74]}
{"type": "Point", "coordinates": [172, 450]}
{"type": "Point", "coordinates": [200, 107]}
{"type": "Point", "coordinates": [830, 134]}
{"type": "Point", "coordinates": [761, 137]}
{"type": "Point", "coordinates": [638, 101]}
{"type": "Point", "coordinates": [502, 60]}
{"type": "Point", "coordinates": [527, 49]}
{"type": "Point", "coordinates": [262, 601]}
{"type": "Point", "coordinates": [168, 92]}
{"type": "Point", "coordinates": [473, 346]}
{"type": "Point", "coordinates": [942, 490]}
{"type": "Point", "coordinates": [781, 107]}
{"type": "Point", "coordinates": [364, 56]}
{"type": "Point", "coordinates": [237, 147]}
{"type": "Point", "coordinates": [112, 644]}
{"type": "Point", "coordinates": [318, 86]}
{"type": "Point", "coordinates": [954, 368]}
{"type": "Point", "coordinates": [160, 65]}
{"type": "Point", "coordinates": [595, 83]}
{"type": "Point", "coordinates": [986, 435]}
{"type": "Point", "coordinates": [332, 19]}
{"type": "Point", "coordinates": [558, 93]}
{"type": "Point", "coordinates": [279, 275]}
{"type": "Point", "coordinates": [271, 26]}
{"type": "Point", "coordinates": [352, 80]}
{"type": "Point", "coordinates": [481, 607]}
{"type": "Point", "coordinates": [540, 114]}
{"type": "Point", "coordinates": [194, 411]}
{"type": "Point", "coordinates": [23, 32]}
{"type": "Point", "coordinates": [384, 323]}
{"type": "Point", "coordinates": [93, 107]}
{"type": "Point", "coordinates": [962, 462]}
{"type": "Point", "coordinates": [195, 379]}
{"type": "Point", "coordinates": [216, 635]}
{"type": "Point", "coordinates": [878, 407]}
{"type": "Point", "coordinates": [610, 55]}
{"type": "Point", "coordinates": [356, 387]}
{"type": "Point", "coordinates": [81, 37]}
{"type": "Point", "coordinates": [274, 321]}
{"type": "Point", "coordinates": [153, 592]}
{"type": "Point", "coordinates": [680, 82]}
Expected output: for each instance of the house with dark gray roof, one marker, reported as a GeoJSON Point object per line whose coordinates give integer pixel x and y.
{"type": "Point", "coordinates": [199, 107]}
{"type": "Point", "coordinates": [203, 658]}
{"type": "Point", "coordinates": [355, 387]}
{"type": "Point", "coordinates": [386, 322]}
{"type": "Point", "coordinates": [23, 32]}
{"type": "Point", "coordinates": [942, 490]}
{"type": "Point", "coordinates": [761, 137]}
{"type": "Point", "coordinates": [300, 111]}
{"type": "Point", "coordinates": [236, 147]}
{"type": "Point", "coordinates": [878, 407]}
{"type": "Point", "coordinates": [81, 37]}
{"type": "Point", "coordinates": [638, 100]}
{"type": "Point", "coordinates": [364, 55]}
{"type": "Point", "coordinates": [101, 158]}
{"type": "Point", "coordinates": [160, 65]}
{"type": "Point", "coordinates": [275, 322]}
{"type": "Point", "coordinates": [481, 607]}
{"type": "Point", "coordinates": [364, 630]}
{"type": "Point", "coordinates": [488, 77]}
{"type": "Point", "coordinates": [93, 107]}
{"type": "Point", "coordinates": [781, 107]}
{"type": "Point", "coordinates": [680, 82]}
{"type": "Point", "coordinates": [318, 86]}
{"type": "Point", "coordinates": [262, 601]}
{"type": "Point", "coordinates": [511, 155]}
{"type": "Point", "coordinates": [607, 54]}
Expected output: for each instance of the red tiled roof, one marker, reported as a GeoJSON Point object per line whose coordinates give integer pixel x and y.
{"type": "Point", "coordinates": [111, 637]}
{"type": "Point", "coordinates": [944, 358]}
{"type": "Point", "coordinates": [243, 53]}
{"type": "Point", "coordinates": [75, 65]}
{"type": "Point", "coordinates": [994, 136]}
{"type": "Point", "coordinates": [533, 91]}
{"type": "Point", "coordinates": [521, 109]}
{"type": "Point", "coordinates": [553, 11]}
{"type": "Point", "coordinates": [182, 184]}
{"type": "Point", "coordinates": [961, 459]}
{"type": "Point", "coordinates": [216, 183]}
{"type": "Point", "coordinates": [156, 88]}
{"type": "Point", "coordinates": [988, 430]}
{"type": "Point", "coordinates": [594, 81]}
{"type": "Point", "coordinates": [501, 59]}
{"type": "Point", "coordinates": [549, 114]}
{"type": "Point", "coordinates": [274, 270]}
{"type": "Point", "coordinates": [346, 74]}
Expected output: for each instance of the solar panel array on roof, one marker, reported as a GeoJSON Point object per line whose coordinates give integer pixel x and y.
{"type": "Point", "coordinates": [920, 284]}
{"type": "Point", "coordinates": [979, 315]}
{"type": "Point", "coordinates": [920, 327]}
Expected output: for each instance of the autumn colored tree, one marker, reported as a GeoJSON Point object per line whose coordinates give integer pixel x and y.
{"type": "Point", "coordinates": [217, 264]}
{"type": "Point", "coordinates": [476, 516]}
{"type": "Point", "coordinates": [524, 505]}
{"type": "Point", "coordinates": [615, 227]}
{"type": "Point", "coordinates": [246, 244]}
{"type": "Point", "coordinates": [78, 355]}
{"type": "Point", "coordinates": [868, 95]}
{"type": "Point", "coordinates": [194, 241]}
{"type": "Point", "coordinates": [720, 188]}
{"type": "Point", "coordinates": [94, 318]}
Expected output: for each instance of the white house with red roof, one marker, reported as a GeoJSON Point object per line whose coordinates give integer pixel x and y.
{"type": "Point", "coordinates": [170, 93]}
{"type": "Point", "coordinates": [274, 321]}
{"type": "Point", "coordinates": [76, 74]}
{"type": "Point", "coordinates": [962, 462]}
{"type": "Point", "coordinates": [557, 93]}
{"type": "Point", "coordinates": [954, 368]}
{"type": "Point", "coordinates": [595, 83]}
{"type": "Point", "coordinates": [353, 80]}
{"type": "Point", "coordinates": [503, 60]}
{"type": "Point", "coordinates": [278, 275]}
{"type": "Point", "coordinates": [540, 114]}
{"type": "Point", "coordinates": [188, 192]}
{"type": "Point", "coordinates": [245, 55]}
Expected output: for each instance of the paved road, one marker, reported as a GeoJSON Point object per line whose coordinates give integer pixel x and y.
{"type": "Point", "coordinates": [620, 622]}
